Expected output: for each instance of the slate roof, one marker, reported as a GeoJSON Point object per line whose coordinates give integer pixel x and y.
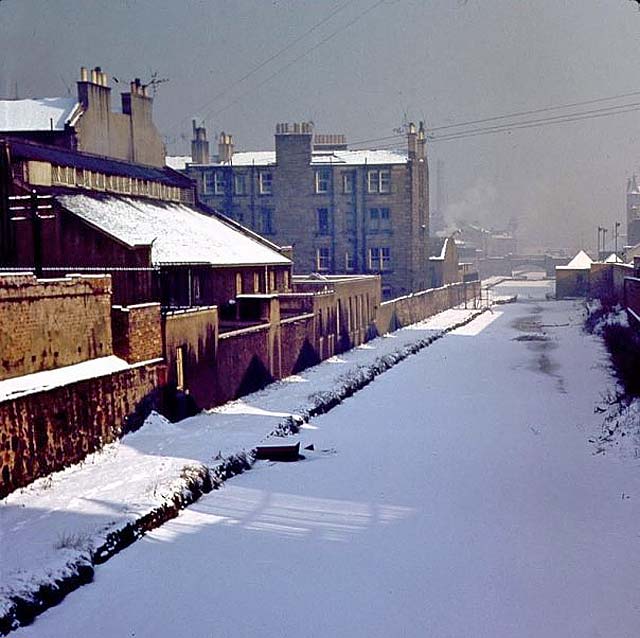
{"type": "Point", "coordinates": [177, 233]}
{"type": "Point", "coordinates": [22, 149]}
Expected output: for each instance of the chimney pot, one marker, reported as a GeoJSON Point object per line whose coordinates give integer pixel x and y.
{"type": "Point", "coordinates": [94, 76]}
{"type": "Point", "coordinates": [84, 74]}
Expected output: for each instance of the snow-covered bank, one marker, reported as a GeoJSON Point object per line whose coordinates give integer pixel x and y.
{"type": "Point", "coordinates": [62, 525]}
{"type": "Point", "coordinates": [457, 495]}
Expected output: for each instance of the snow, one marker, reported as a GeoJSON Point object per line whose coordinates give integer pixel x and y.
{"type": "Point", "coordinates": [43, 114]}
{"type": "Point", "coordinates": [129, 478]}
{"type": "Point", "coordinates": [49, 379]}
{"type": "Point", "coordinates": [176, 232]}
{"type": "Point", "coordinates": [177, 162]}
{"type": "Point", "coordinates": [355, 158]}
{"type": "Point", "coordinates": [466, 509]}
{"type": "Point", "coordinates": [613, 259]}
{"type": "Point", "coordinates": [581, 261]}
{"type": "Point", "coordinates": [456, 495]}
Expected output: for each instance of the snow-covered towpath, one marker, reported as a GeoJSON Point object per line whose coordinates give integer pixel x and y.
{"type": "Point", "coordinates": [50, 530]}
{"type": "Point", "coordinates": [455, 496]}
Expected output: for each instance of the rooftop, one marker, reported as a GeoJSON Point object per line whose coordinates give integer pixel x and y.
{"type": "Point", "coordinates": [268, 158]}
{"type": "Point", "coordinates": [177, 234]}
{"type": "Point", "coordinates": [22, 149]}
{"type": "Point", "coordinates": [41, 114]}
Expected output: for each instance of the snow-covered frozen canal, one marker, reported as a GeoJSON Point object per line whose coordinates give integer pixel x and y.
{"type": "Point", "coordinates": [457, 495]}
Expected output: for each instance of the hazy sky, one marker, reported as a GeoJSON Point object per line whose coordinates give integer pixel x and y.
{"type": "Point", "coordinates": [442, 60]}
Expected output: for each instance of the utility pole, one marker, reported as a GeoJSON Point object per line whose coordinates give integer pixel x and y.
{"type": "Point", "coordinates": [616, 235]}
{"type": "Point", "coordinates": [604, 240]}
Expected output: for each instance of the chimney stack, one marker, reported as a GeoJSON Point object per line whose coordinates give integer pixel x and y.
{"type": "Point", "coordinates": [294, 143]}
{"type": "Point", "coordinates": [422, 141]}
{"type": "Point", "coordinates": [412, 141]}
{"type": "Point", "coordinates": [199, 145]}
{"type": "Point", "coordinates": [225, 147]}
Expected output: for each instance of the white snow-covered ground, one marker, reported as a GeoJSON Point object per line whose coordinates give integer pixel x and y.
{"type": "Point", "coordinates": [456, 496]}
{"type": "Point", "coordinates": [59, 519]}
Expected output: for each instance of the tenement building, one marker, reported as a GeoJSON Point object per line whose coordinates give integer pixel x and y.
{"type": "Point", "coordinates": [343, 211]}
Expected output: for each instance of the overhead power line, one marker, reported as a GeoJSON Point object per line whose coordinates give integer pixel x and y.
{"type": "Point", "coordinates": [559, 119]}
{"type": "Point", "coordinates": [534, 111]}
{"type": "Point", "coordinates": [304, 54]}
{"type": "Point", "coordinates": [254, 69]}
{"type": "Point", "coordinates": [519, 124]}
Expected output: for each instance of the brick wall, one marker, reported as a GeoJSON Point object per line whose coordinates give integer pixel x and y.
{"type": "Point", "coordinates": [43, 432]}
{"type": "Point", "coordinates": [137, 333]}
{"type": "Point", "coordinates": [195, 333]}
{"type": "Point", "coordinates": [632, 296]}
{"type": "Point", "coordinates": [404, 311]}
{"type": "Point", "coordinates": [45, 324]}
{"type": "Point", "coordinates": [242, 364]}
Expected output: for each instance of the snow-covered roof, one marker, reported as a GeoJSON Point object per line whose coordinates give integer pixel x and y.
{"type": "Point", "coordinates": [177, 162]}
{"type": "Point", "coordinates": [613, 259]}
{"type": "Point", "coordinates": [42, 114]}
{"type": "Point", "coordinates": [581, 261]}
{"type": "Point", "coordinates": [177, 234]}
{"type": "Point", "coordinates": [359, 157]}
{"type": "Point", "coordinates": [353, 158]}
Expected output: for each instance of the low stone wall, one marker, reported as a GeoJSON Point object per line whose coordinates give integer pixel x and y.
{"type": "Point", "coordinates": [136, 332]}
{"type": "Point", "coordinates": [632, 297]}
{"type": "Point", "coordinates": [298, 349]}
{"type": "Point", "coordinates": [404, 311]}
{"type": "Point", "coordinates": [242, 363]}
{"type": "Point", "coordinates": [49, 323]}
{"type": "Point", "coordinates": [43, 432]}
{"type": "Point", "coordinates": [192, 335]}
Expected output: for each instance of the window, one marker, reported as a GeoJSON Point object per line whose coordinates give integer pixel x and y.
{"type": "Point", "coordinates": [256, 282]}
{"type": "Point", "coordinates": [385, 258]}
{"type": "Point", "coordinates": [218, 183]}
{"type": "Point", "coordinates": [238, 283]}
{"type": "Point", "coordinates": [180, 368]}
{"type": "Point", "coordinates": [374, 219]}
{"type": "Point", "coordinates": [384, 181]}
{"type": "Point", "coordinates": [207, 183]}
{"type": "Point", "coordinates": [322, 180]}
{"type": "Point", "coordinates": [240, 184]}
{"type": "Point", "coordinates": [323, 221]}
{"type": "Point", "coordinates": [349, 263]}
{"type": "Point", "coordinates": [350, 220]}
{"type": "Point", "coordinates": [379, 258]}
{"type": "Point", "coordinates": [266, 221]}
{"type": "Point", "coordinates": [286, 280]}
{"type": "Point", "coordinates": [379, 181]}
{"type": "Point", "coordinates": [379, 219]}
{"type": "Point", "coordinates": [323, 258]}
{"type": "Point", "coordinates": [196, 289]}
{"type": "Point", "coordinates": [272, 281]}
{"type": "Point", "coordinates": [266, 183]}
{"type": "Point", "coordinates": [348, 181]}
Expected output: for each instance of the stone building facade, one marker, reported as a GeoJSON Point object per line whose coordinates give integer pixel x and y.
{"type": "Point", "coordinates": [343, 211]}
{"type": "Point", "coordinates": [633, 211]}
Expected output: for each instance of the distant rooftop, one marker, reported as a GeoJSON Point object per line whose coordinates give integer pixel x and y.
{"type": "Point", "coordinates": [319, 157]}
{"type": "Point", "coordinates": [41, 114]}
{"type": "Point", "coordinates": [581, 261]}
